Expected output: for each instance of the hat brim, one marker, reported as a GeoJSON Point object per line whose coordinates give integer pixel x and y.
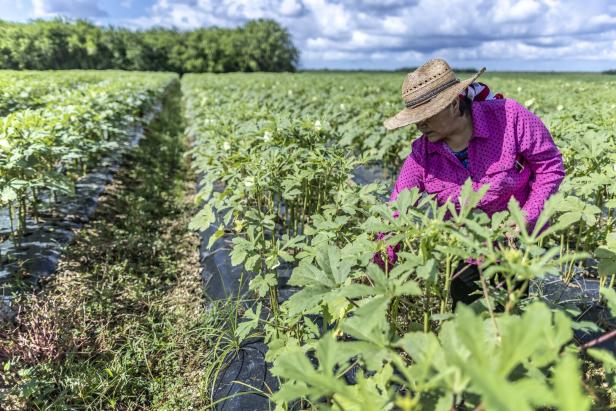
{"type": "Point", "coordinates": [429, 108]}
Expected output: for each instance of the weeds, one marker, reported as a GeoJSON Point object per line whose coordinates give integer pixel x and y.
{"type": "Point", "coordinates": [123, 324]}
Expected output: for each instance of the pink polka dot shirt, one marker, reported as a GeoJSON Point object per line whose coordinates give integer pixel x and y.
{"type": "Point", "coordinates": [511, 150]}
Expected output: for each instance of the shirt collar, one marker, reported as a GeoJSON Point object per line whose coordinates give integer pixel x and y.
{"type": "Point", "coordinates": [479, 127]}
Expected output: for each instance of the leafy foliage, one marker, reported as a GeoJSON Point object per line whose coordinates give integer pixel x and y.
{"type": "Point", "coordinates": [46, 146]}
{"type": "Point", "coordinates": [277, 154]}
{"type": "Point", "coordinates": [259, 45]}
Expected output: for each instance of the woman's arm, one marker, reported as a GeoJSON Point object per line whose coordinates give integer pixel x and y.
{"type": "Point", "coordinates": [535, 144]}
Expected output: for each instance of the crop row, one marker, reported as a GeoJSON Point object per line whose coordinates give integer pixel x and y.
{"type": "Point", "coordinates": [31, 89]}
{"type": "Point", "coordinates": [581, 121]}
{"type": "Point", "coordinates": [20, 90]}
{"type": "Point", "coordinates": [277, 154]}
{"type": "Point", "coordinates": [43, 151]}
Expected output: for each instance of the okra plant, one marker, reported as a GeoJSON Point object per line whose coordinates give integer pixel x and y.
{"type": "Point", "coordinates": [48, 143]}
{"type": "Point", "coordinates": [276, 156]}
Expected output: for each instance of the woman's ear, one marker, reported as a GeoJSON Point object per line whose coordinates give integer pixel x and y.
{"type": "Point", "coordinates": [455, 104]}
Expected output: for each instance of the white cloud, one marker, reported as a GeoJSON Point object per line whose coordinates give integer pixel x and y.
{"type": "Point", "coordinates": [407, 32]}
{"type": "Point", "coordinates": [68, 8]}
{"type": "Point", "coordinates": [517, 11]}
{"type": "Point", "coordinates": [291, 7]}
{"type": "Point", "coordinates": [332, 19]}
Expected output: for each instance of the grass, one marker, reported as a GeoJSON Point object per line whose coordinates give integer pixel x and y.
{"type": "Point", "coordinates": [123, 324]}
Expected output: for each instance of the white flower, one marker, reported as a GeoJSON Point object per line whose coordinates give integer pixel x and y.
{"type": "Point", "coordinates": [519, 89]}
{"type": "Point", "coordinates": [560, 107]}
{"type": "Point", "coordinates": [267, 136]}
{"type": "Point", "coordinates": [290, 92]}
{"type": "Point", "coordinates": [226, 146]}
{"type": "Point", "coordinates": [239, 225]}
{"type": "Point", "coordinates": [341, 106]}
{"type": "Point", "coordinates": [249, 182]}
{"type": "Point", "coordinates": [317, 125]}
{"type": "Point", "coordinates": [530, 102]}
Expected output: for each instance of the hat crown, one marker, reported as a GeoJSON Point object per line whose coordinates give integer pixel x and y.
{"type": "Point", "coordinates": [428, 90]}
{"type": "Point", "coordinates": [429, 76]}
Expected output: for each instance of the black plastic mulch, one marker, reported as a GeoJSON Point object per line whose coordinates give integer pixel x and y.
{"type": "Point", "coordinates": [40, 248]}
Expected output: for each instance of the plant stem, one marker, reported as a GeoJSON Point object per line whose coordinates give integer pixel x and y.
{"type": "Point", "coordinates": [445, 299]}
{"type": "Point", "coordinates": [605, 337]}
{"type": "Point", "coordinates": [484, 286]}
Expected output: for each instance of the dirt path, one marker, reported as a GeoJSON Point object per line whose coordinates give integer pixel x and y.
{"type": "Point", "coordinates": [122, 325]}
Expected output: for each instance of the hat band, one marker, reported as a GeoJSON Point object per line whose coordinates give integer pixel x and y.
{"type": "Point", "coordinates": [421, 99]}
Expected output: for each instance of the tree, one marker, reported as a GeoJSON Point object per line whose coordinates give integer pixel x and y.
{"type": "Point", "coordinates": [260, 45]}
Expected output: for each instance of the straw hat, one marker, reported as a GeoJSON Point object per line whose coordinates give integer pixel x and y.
{"type": "Point", "coordinates": [428, 90]}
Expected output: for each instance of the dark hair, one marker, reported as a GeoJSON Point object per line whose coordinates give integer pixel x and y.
{"type": "Point", "coordinates": [465, 105]}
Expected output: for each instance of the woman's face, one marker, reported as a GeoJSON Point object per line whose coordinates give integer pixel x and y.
{"type": "Point", "coordinates": [442, 123]}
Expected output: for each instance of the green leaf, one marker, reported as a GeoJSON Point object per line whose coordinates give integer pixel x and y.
{"type": "Point", "coordinates": [569, 218]}
{"type": "Point", "coordinates": [262, 284]}
{"type": "Point", "coordinates": [331, 353]}
{"type": "Point", "coordinates": [568, 385]}
{"type": "Point", "coordinates": [408, 288]}
{"type": "Point", "coordinates": [606, 357]}
{"type": "Point", "coordinates": [249, 322]}
{"type": "Point", "coordinates": [469, 199]}
{"type": "Point", "coordinates": [424, 349]}
{"type": "Point", "coordinates": [291, 194]}
{"type": "Point", "coordinates": [8, 194]}
{"type": "Point", "coordinates": [610, 296]}
{"type": "Point", "coordinates": [607, 256]}
{"type": "Point", "coordinates": [238, 256]}
{"type": "Point", "coordinates": [517, 214]}
{"type": "Point", "coordinates": [306, 274]}
{"type": "Point", "coordinates": [303, 380]}
{"type": "Point", "coordinates": [220, 232]}
{"type": "Point", "coordinates": [205, 192]}
{"type": "Point", "coordinates": [478, 229]}
{"type": "Point", "coordinates": [428, 271]}
{"type": "Point", "coordinates": [307, 300]}
{"type": "Point", "coordinates": [369, 322]}
{"type": "Point", "coordinates": [203, 219]}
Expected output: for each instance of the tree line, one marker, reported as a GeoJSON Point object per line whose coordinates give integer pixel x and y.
{"type": "Point", "coordinates": [258, 45]}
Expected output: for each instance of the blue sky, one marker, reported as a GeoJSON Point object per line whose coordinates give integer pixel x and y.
{"type": "Point", "coordinates": [384, 34]}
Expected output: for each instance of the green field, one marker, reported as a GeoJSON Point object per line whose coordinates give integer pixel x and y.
{"type": "Point", "coordinates": [124, 325]}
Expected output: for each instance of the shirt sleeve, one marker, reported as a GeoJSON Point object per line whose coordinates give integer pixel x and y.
{"type": "Point", "coordinates": [537, 147]}
{"type": "Point", "coordinates": [411, 174]}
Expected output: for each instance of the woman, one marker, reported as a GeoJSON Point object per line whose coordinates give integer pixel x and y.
{"type": "Point", "coordinates": [493, 141]}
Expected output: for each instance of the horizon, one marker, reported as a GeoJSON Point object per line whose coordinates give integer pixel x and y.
{"type": "Point", "coordinates": [384, 35]}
